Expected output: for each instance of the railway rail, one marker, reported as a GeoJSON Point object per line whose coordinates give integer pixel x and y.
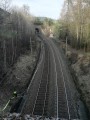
{"type": "Point", "coordinates": [65, 106]}
{"type": "Point", "coordinates": [41, 102]}
{"type": "Point", "coordinates": [62, 107]}
{"type": "Point", "coordinates": [48, 92]}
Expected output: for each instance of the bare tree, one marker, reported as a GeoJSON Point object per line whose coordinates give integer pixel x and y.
{"type": "Point", "coordinates": [76, 16]}
{"type": "Point", "coordinates": [4, 4]}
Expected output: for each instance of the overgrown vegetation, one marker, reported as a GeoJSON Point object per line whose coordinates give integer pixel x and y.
{"type": "Point", "coordinates": [17, 35]}
{"type": "Point", "coordinates": [74, 24]}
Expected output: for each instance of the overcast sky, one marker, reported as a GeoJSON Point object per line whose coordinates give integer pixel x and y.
{"type": "Point", "coordinates": [46, 8]}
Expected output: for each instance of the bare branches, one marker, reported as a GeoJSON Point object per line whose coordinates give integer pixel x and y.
{"type": "Point", "coordinates": [26, 9]}
{"type": "Point", "coordinates": [16, 30]}
{"type": "Point", "coordinates": [5, 4]}
{"type": "Point", "coordinates": [76, 17]}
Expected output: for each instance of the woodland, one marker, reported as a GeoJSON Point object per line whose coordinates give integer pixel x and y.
{"type": "Point", "coordinates": [74, 24]}
{"type": "Point", "coordinates": [17, 33]}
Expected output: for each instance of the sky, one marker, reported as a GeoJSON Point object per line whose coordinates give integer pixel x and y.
{"type": "Point", "coordinates": [44, 8]}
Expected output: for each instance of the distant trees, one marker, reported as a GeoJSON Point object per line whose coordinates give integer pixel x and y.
{"type": "Point", "coordinates": [38, 21]}
{"type": "Point", "coordinates": [75, 23]}
{"type": "Point", "coordinates": [48, 22]}
{"type": "Point", "coordinates": [16, 33]}
{"type": "Point", "coordinates": [48, 26]}
{"type": "Point", "coordinates": [45, 23]}
{"type": "Point", "coordinates": [58, 30]}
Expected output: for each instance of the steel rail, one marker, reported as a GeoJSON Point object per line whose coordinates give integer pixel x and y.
{"type": "Point", "coordinates": [63, 82]}
{"type": "Point", "coordinates": [46, 90]}
{"type": "Point", "coordinates": [46, 85]}
{"type": "Point", "coordinates": [38, 66]}
{"type": "Point", "coordinates": [56, 82]}
{"type": "Point", "coordinates": [38, 89]}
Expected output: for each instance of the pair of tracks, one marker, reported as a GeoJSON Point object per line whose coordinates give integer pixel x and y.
{"type": "Point", "coordinates": [51, 83]}
{"type": "Point", "coordinates": [62, 107]}
{"type": "Point", "coordinates": [36, 101]}
{"type": "Point", "coordinates": [41, 101]}
{"type": "Point", "coordinates": [65, 107]}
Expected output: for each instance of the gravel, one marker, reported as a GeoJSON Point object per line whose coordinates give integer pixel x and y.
{"type": "Point", "coordinates": [15, 116]}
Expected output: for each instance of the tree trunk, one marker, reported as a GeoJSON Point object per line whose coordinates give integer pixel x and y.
{"type": "Point", "coordinates": [4, 52]}
{"type": "Point", "coordinates": [77, 32]}
{"type": "Point", "coordinates": [12, 50]}
{"type": "Point", "coordinates": [31, 45]}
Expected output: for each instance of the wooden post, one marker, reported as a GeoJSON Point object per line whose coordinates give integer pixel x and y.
{"type": "Point", "coordinates": [66, 45]}
{"type": "Point", "coordinates": [31, 45]}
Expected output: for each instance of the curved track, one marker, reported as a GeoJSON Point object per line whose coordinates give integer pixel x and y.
{"type": "Point", "coordinates": [65, 106]}
{"type": "Point", "coordinates": [50, 93]}
{"type": "Point", "coordinates": [41, 101]}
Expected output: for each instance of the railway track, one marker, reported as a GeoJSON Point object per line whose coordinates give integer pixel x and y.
{"type": "Point", "coordinates": [38, 90]}
{"type": "Point", "coordinates": [41, 101]}
{"type": "Point", "coordinates": [61, 95]}
{"type": "Point", "coordinates": [65, 106]}
{"type": "Point", "coordinates": [48, 92]}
